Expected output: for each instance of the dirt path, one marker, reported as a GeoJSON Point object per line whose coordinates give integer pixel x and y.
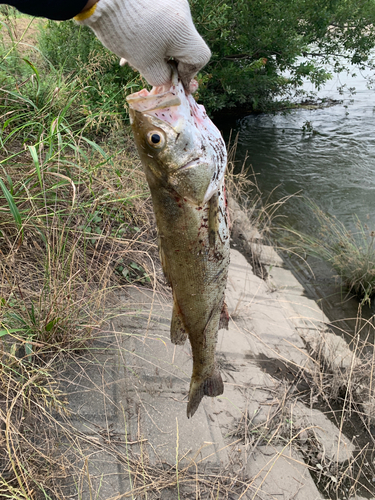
{"type": "Point", "coordinates": [23, 29]}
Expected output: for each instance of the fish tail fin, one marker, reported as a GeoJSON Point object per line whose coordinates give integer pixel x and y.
{"type": "Point", "coordinates": [199, 387]}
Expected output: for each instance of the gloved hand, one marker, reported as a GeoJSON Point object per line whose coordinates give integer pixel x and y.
{"type": "Point", "coordinates": [147, 33]}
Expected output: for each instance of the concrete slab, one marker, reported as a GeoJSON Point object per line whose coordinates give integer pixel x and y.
{"type": "Point", "coordinates": [330, 348]}
{"type": "Point", "coordinates": [335, 445]}
{"type": "Point", "coordinates": [267, 255]}
{"type": "Point", "coordinates": [357, 497]}
{"type": "Point", "coordinates": [163, 423]}
{"type": "Point", "coordinates": [241, 226]}
{"type": "Point", "coordinates": [243, 286]}
{"type": "Point", "coordinates": [103, 476]}
{"type": "Point", "coordinates": [283, 280]}
{"type": "Point", "coordinates": [303, 312]}
{"type": "Point", "coordinates": [279, 472]}
{"type": "Point", "coordinates": [133, 389]}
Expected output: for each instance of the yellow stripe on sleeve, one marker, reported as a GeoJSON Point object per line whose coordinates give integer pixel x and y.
{"type": "Point", "coordinates": [85, 14]}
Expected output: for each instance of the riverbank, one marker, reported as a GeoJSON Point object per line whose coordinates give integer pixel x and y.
{"type": "Point", "coordinates": [115, 424]}
{"type": "Point", "coordinates": [86, 355]}
{"type": "Point", "coordinates": [92, 393]}
{"type": "Point", "coordinates": [261, 439]}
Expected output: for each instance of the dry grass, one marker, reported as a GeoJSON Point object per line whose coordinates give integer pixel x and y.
{"type": "Point", "coordinates": [44, 456]}
{"type": "Point", "coordinates": [73, 229]}
{"type": "Point", "coordinates": [57, 281]}
{"type": "Point", "coordinates": [350, 253]}
{"type": "Point", "coordinates": [47, 453]}
{"type": "Point", "coordinates": [251, 217]}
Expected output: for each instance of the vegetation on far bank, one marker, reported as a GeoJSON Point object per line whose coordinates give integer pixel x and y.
{"type": "Point", "coordinates": [261, 53]}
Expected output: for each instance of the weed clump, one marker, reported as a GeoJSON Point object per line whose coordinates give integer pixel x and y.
{"type": "Point", "coordinates": [58, 78]}
{"type": "Point", "coordinates": [351, 254]}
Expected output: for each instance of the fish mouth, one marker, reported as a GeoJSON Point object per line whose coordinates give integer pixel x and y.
{"type": "Point", "coordinates": [192, 163]}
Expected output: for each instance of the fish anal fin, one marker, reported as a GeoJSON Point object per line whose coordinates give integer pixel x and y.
{"type": "Point", "coordinates": [178, 331]}
{"type": "Point", "coordinates": [224, 317]}
{"type": "Point", "coordinates": [210, 386]}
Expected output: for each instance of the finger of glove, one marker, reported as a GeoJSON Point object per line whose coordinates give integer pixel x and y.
{"type": "Point", "coordinates": [158, 73]}
{"type": "Point", "coordinates": [187, 72]}
{"type": "Point", "coordinates": [191, 56]}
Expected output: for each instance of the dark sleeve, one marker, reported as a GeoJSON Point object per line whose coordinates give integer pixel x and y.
{"type": "Point", "coordinates": [52, 9]}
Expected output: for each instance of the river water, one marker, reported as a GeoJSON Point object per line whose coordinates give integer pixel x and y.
{"type": "Point", "coordinates": [332, 162]}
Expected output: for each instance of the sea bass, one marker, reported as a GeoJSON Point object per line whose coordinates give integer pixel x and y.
{"type": "Point", "coordinates": [184, 159]}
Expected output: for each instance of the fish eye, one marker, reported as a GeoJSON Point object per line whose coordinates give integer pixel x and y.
{"type": "Point", "coordinates": [156, 139]}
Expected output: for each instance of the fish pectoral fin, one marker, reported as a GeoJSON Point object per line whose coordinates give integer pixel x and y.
{"type": "Point", "coordinates": [163, 261]}
{"type": "Point", "coordinates": [211, 385]}
{"type": "Point", "coordinates": [224, 317]}
{"type": "Point", "coordinates": [178, 331]}
{"type": "Point", "coordinates": [192, 182]}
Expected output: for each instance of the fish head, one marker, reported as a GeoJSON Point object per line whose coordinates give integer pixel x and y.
{"type": "Point", "coordinates": [179, 146]}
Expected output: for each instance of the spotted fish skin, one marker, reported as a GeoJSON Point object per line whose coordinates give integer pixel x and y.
{"type": "Point", "coordinates": [184, 159]}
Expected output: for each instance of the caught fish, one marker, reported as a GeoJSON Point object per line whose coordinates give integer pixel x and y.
{"type": "Point", "coordinates": [184, 159]}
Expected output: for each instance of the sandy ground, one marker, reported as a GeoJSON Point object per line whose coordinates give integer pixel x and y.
{"type": "Point", "coordinates": [22, 30]}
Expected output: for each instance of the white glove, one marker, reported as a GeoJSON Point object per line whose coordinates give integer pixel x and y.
{"type": "Point", "coordinates": [147, 33]}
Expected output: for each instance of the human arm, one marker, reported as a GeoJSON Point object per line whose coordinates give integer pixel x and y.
{"type": "Point", "coordinates": [58, 11]}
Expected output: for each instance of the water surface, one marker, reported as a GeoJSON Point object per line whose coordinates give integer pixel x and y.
{"type": "Point", "coordinates": [332, 162]}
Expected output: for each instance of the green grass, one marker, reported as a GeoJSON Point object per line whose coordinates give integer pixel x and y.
{"type": "Point", "coordinates": [350, 253]}
{"type": "Point", "coordinates": [57, 77]}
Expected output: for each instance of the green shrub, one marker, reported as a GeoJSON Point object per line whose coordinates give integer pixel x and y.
{"type": "Point", "coordinates": [75, 49]}
{"type": "Point", "coordinates": [69, 80]}
{"type": "Point", "coordinates": [262, 53]}
{"type": "Point", "coordinates": [69, 46]}
{"type": "Point", "coordinates": [254, 43]}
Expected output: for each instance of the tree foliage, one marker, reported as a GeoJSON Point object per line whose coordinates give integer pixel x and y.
{"type": "Point", "coordinates": [255, 42]}
{"type": "Point", "coordinates": [262, 52]}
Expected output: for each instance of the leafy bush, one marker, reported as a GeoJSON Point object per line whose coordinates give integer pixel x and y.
{"type": "Point", "coordinates": [255, 42]}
